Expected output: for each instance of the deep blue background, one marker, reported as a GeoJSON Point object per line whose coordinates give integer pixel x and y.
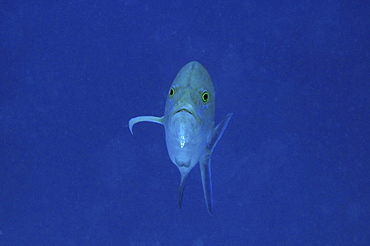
{"type": "Point", "coordinates": [292, 168]}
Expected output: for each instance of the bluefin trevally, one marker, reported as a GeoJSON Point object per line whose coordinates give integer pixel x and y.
{"type": "Point", "coordinates": [189, 127]}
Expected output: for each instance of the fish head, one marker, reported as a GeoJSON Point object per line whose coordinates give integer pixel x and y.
{"type": "Point", "coordinates": [192, 92]}
{"type": "Point", "coordinates": [189, 114]}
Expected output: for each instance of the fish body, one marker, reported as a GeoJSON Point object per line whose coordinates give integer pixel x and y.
{"type": "Point", "coordinates": [189, 127]}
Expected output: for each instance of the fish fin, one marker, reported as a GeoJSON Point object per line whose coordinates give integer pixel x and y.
{"type": "Point", "coordinates": [218, 131]}
{"type": "Point", "coordinates": [205, 162]}
{"type": "Point", "coordinates": [205, 169]}
{"type": "Point", "coordinates": [138, 119]}
{"type": "Point", "coordinates": [184, 175]}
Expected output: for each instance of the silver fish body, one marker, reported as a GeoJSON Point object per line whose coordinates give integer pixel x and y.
{"type": "Point", "coordinates": [189, 126]}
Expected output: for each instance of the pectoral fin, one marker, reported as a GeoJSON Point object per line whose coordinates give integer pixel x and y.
{"type": "Point", "coordinates": [218, 131]}
{"type": "Point", "coordinates": [138, 119]}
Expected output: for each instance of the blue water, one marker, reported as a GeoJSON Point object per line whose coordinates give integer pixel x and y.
{"type": "Point", "coordinates": [292, 168]}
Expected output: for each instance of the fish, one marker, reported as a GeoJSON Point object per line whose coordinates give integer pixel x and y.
{"type": "Point", "coordinates": [190, 131]}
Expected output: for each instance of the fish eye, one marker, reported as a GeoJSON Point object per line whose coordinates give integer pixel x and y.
{"type": "Point", "coordinates": [205, 96]}
{"type": "Point", "coordinates": [172, 92]}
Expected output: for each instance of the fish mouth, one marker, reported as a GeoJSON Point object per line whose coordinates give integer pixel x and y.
{"type": "Point", "coordinates": [183, 110]}
{"type": "Point", "coordinates": [186, 108]}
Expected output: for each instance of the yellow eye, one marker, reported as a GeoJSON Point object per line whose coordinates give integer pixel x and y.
{"type": "Point", "coordinates": [172, 92]}
{"type": "Point", "coordinates": [205, 96]}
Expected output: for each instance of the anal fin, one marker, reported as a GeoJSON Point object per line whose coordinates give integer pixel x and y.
{"type": "Point", "coordinates": [184, 175]}
{"type": "Point", "coordinates": [205, 169]}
